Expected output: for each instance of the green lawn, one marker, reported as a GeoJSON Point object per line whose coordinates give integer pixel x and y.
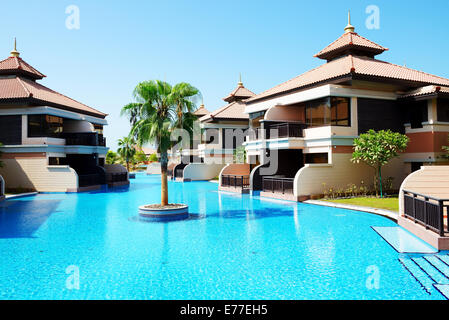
{"type": "Point", "coordinates": [390, 203]}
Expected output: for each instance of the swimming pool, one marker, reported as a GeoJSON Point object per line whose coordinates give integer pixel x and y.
{"type": "Point", "coordinates": [234, 247]}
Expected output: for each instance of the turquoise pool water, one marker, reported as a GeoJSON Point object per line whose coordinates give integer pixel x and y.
{"type": "Point", "coordinates": [234, 247]}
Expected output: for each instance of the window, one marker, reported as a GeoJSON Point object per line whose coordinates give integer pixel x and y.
{"type": "Point", "coordinates": [56, 161]}
{"type": "Point", "coordinates": [443, 110]}
{"type": "Point", "coordinates": [335, 111]}
{"type": "Point", "coordinates": [316, 158]}
{"type": "Point", "coordinates": [98, 128]}
{"type": "Point", "coordinates": [41, 125]}
{"type": "Point", "coordinates": [255, 117]}
{"type": "Point", "coordinates": [317, 113]}
{"type": "Point", "coordinates": [340, 112]}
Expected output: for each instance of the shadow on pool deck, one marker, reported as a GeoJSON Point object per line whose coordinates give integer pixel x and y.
{"type": "Point", "coordinates": [21, 219]}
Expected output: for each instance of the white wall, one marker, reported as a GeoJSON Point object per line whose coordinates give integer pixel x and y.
{"type": "Point", "coordinates": [202, 171]}
{"type": "Point", "coordinates": [341, 172]}
{"type": "Point", "coordinates": [35, 173]}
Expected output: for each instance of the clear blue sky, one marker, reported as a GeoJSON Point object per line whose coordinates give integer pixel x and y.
{"type": "Point", "coordinates": [206, 43]}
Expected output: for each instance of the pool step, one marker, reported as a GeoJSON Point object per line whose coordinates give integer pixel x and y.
{"type": "Point", "coordinates": [430, 271]}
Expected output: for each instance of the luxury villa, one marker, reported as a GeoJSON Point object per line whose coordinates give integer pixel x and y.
{"type": "Point", "coordinates": [303, 129]}
{"type": "Point", "coordinates": [51, 142]}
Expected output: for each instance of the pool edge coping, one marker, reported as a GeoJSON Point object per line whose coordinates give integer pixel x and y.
{"type": "Point", "coordinates": [381, 212]}
{"type": "Point", "coordinates": [21, 195]}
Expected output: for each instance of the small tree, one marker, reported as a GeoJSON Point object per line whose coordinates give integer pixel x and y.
{"type": "Point", "coordinates": [127, 149]}
{"type": "Point", "coordinates": [140, 157]}
{"type": "Point", "coordinates": [376, 149]}
{"type": "Point", "coordinates": [153, 157]}
{"type": "Point", "coordinates": [112, 157]}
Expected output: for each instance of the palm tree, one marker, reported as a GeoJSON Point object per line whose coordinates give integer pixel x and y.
{"type": "Point", "coordinates": [160, 109]}
{"type": "Point", "coordinates": [127, 149]}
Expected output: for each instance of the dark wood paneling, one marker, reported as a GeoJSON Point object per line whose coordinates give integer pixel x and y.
{"type": "Point", "coordinates": [380, 115]}
{"type": "Point", "coordinates": [11, 130]}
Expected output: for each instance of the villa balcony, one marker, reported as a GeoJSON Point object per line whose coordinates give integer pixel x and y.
{"type": "Point", "coordinates": [84, 139]}
{"type": "Point", "coordinates": [281, 130]}
{"type": "Point", "coordinates": [235, 181]}
{"type": "Point", "coordinates": [277, 184]}
{"type": "Point", "coordinates": [87, 180]}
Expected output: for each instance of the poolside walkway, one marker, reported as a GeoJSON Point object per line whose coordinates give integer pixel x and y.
{"type": "Point", "coordinates": [382, 212]}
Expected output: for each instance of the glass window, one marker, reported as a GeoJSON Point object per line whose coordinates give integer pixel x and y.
{"type": "Point", "coordinates": [318, 112]}
{"type": "Point", "coordinates": [98, 128]}
{"type": "Point", "coordinates": [316, 158]}
{"type": "Point", "coordinates": [41, 125]}
{"type": "Point", "coordinates": [443, 110]}
{"type": "Point", "coordinates": [340, 111]}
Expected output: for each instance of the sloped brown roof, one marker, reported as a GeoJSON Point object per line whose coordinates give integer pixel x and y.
{"type": "Point", "coordinates": [231, 111]}
{"type": "Point", "coordinates": [349, 66]}
{"type": "Point", "coordinates": [239, 93]}
{"type": "Point", "coordinates": [427, 90]}
{"type": "Point", "coordinates": [22, 88]}
{"type": "Point", "coordinates": [201, 111]}
{"type": "Point", "coordinates": [17, 66]}
{"type": "Point", "coordinates": [350, 41]}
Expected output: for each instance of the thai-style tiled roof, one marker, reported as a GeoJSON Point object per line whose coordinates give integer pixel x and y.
{"type": "Point", "coordinates": [427, 90]}
{"type": "Point", "coordinates": [19, 88]}
{"type": "Point", "coordinates": [239, 93]}
{"type": "Point", "coordinates": [232, 111]}
{"type": "Point", "coordinates": [17, 66]}
{"type": "Point", "coordinates": [201, 111]}
{"type": "Point", "coordinates": [350, 42]}
{"type": "Point", "coordinates": [350, 65]}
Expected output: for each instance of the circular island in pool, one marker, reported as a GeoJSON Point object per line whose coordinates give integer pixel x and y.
{"type": "Point", "coordinates": [170, 212]}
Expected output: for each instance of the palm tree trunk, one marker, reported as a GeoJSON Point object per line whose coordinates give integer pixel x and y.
{"type": "Point", "coordinates": [164, 185]}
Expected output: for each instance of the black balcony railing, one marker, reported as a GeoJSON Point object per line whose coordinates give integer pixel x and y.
{"type": "Point", "coordinates": [286, 130]}
{"type": "Point", "coordinates": [117, 177]}
{"type": "Point", "coordinates": [84, 139]}
{"type": "Point", "coordinates": [86, 180]}
{"type": "Point", "coordinates": [179, 173]}
{"type": "Point", "coordinates": [235, 181]}
{"type": "Point", "coordinates": [280, 130]}
{"type": "Point", "coordinates": [427, 211]}
{"type": "Point", "coordinates": [277, 185]}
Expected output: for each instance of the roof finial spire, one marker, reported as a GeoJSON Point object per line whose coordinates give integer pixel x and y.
{"type": "Point", "coordinates": [240, 80]}
{"type": "Point", "coordinates": [15, 53]}
{"type": "Point", "coordinates": [349, 27]}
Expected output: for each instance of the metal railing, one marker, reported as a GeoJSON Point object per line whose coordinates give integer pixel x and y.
{"type": "Point", "coordinates": [283, 130]}
{"type": "Point", "coordinates": [86, 180]}
{"type": "Point", "coordinates": [287, 130]}
{"type": "Point", "coordinates": [236, 181]}
{"type": "Point", "coordinates": [277, 185]}
{"type": "Point", "coordinates": [84, 139]}
{"type": "Point", "coordinates": [427, 211]}
{"type": "Point", "coordinates": [179, 173]}
{"type": "Point", "coordinates": [117, 177]}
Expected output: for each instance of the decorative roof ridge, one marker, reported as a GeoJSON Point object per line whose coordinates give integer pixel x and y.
{"type": "Point", "coordinates": [24, 87]}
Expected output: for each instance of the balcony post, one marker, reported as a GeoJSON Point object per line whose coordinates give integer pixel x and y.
{"type": "Point", "coordinates": [441, 217]}
{"type": "Point", "coordinates": [426, 219]}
